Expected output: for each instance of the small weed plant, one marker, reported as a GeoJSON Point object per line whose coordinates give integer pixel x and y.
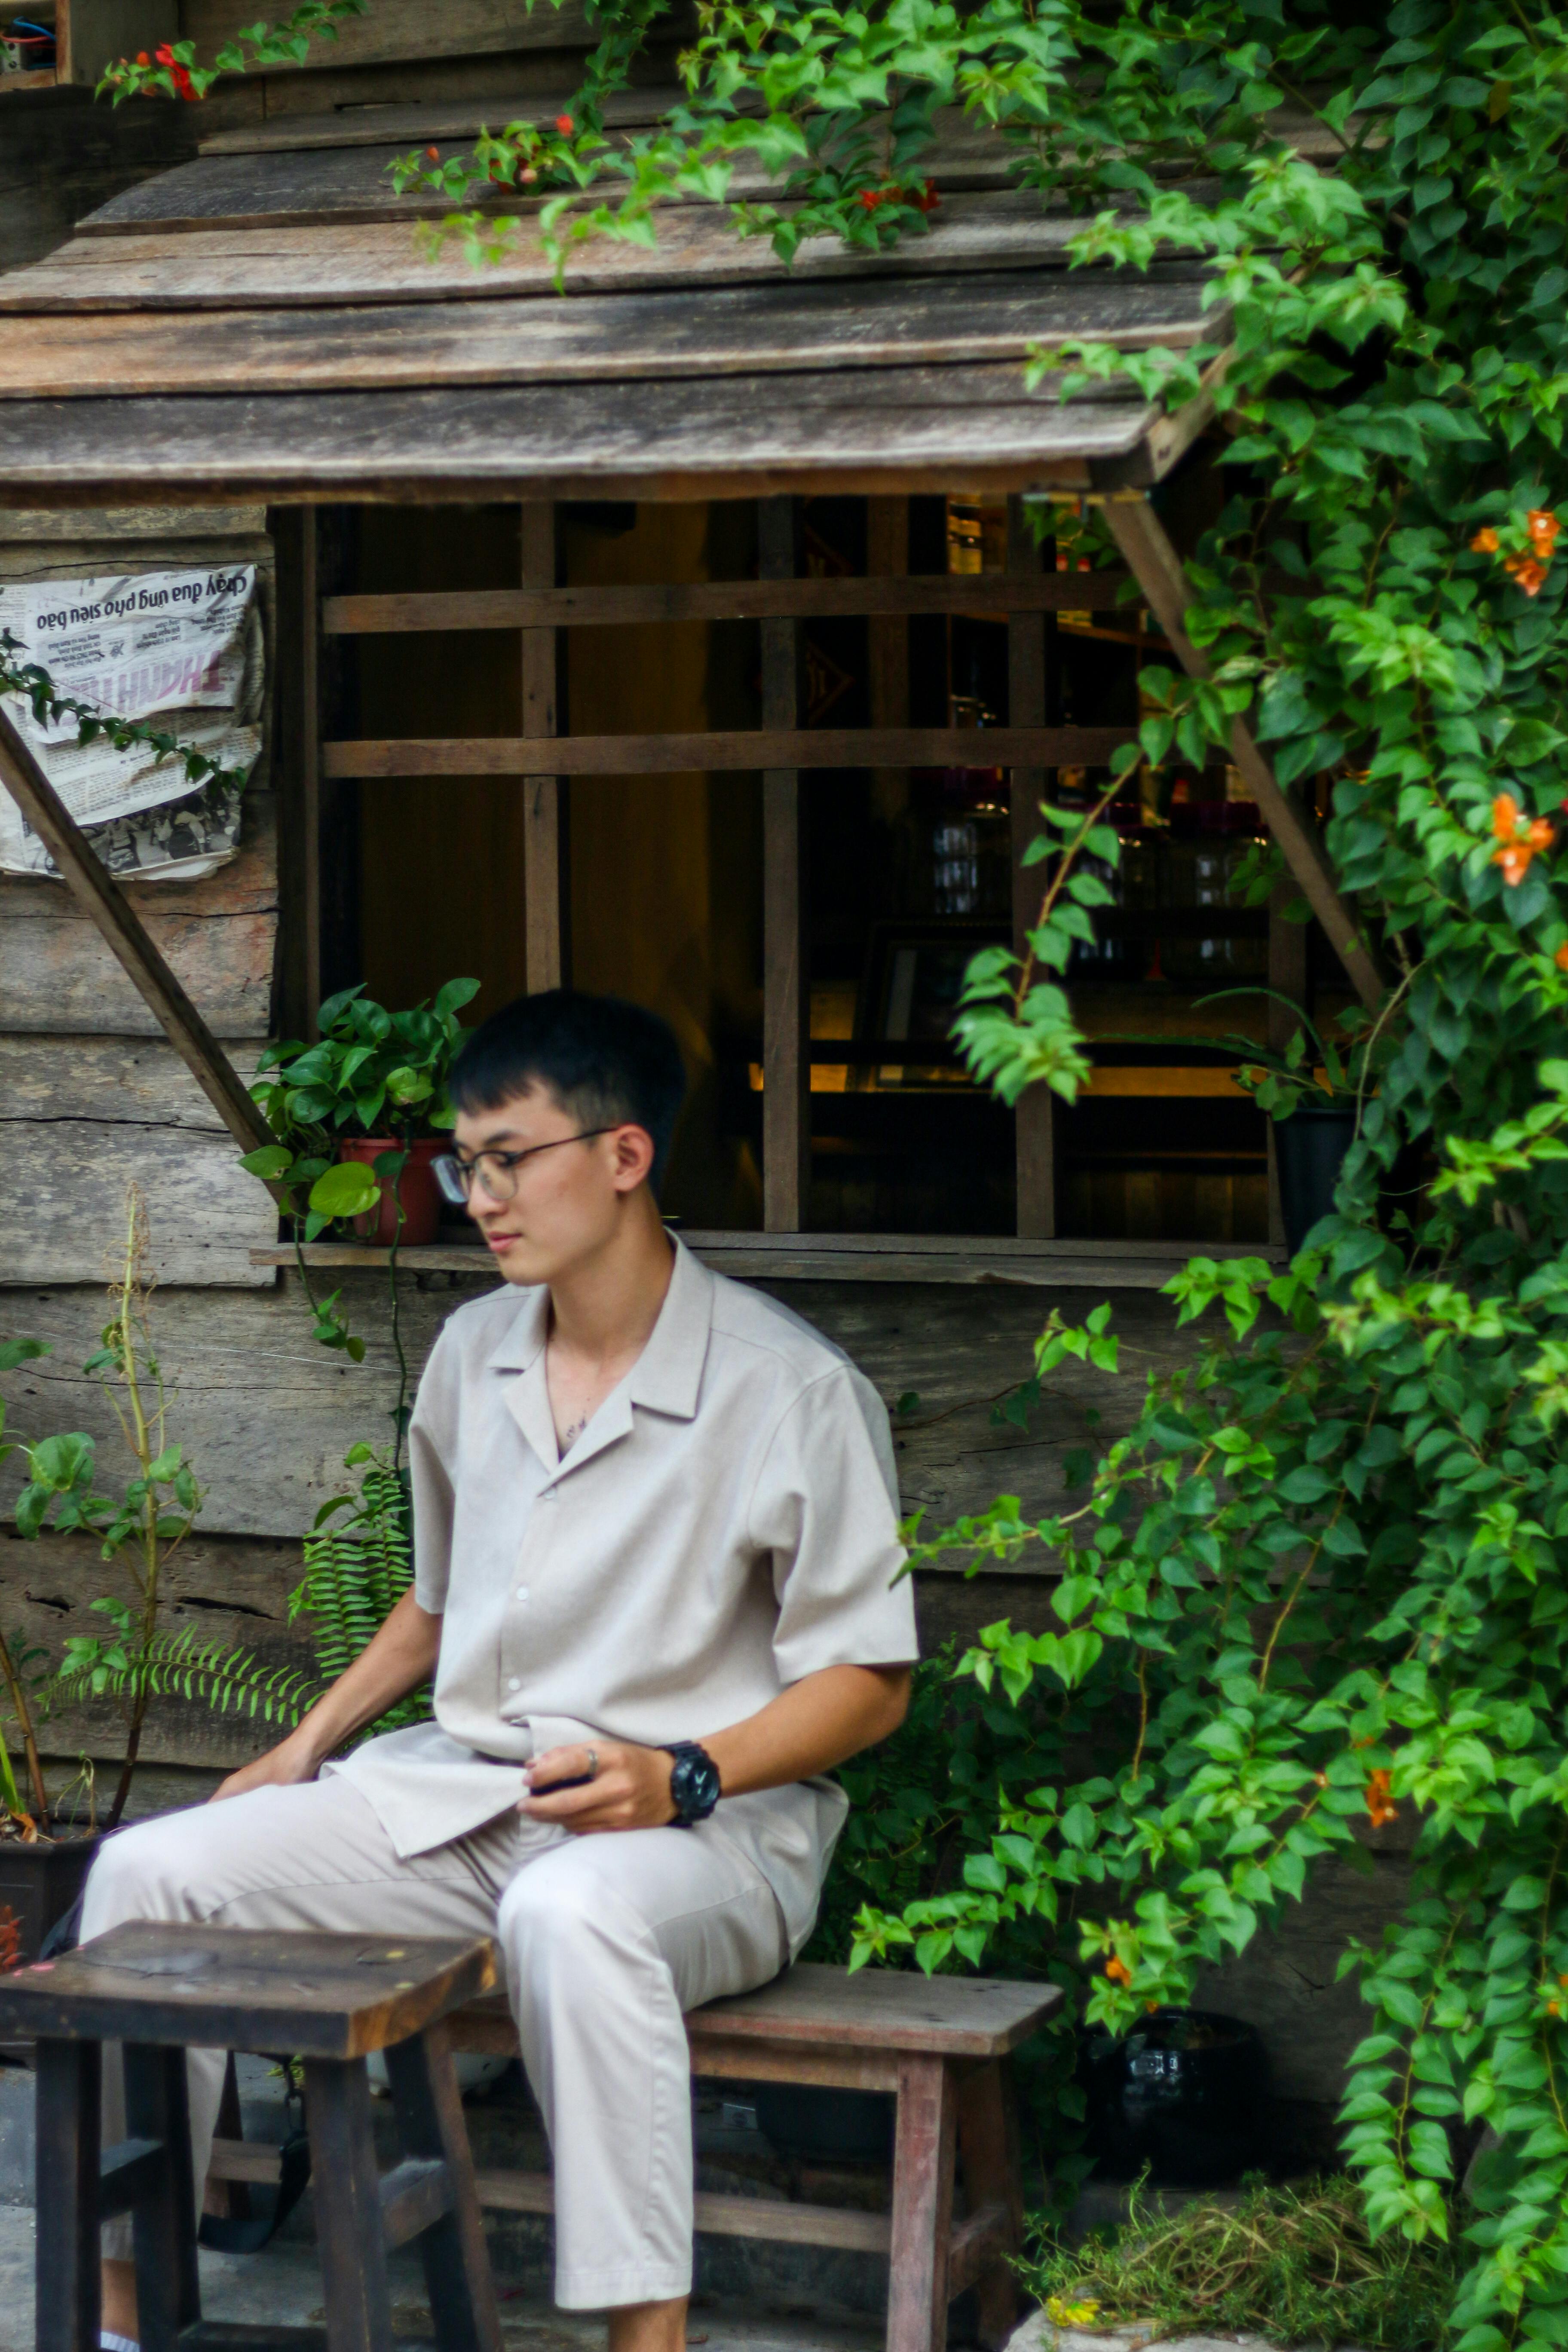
{"type": "Point", "coordinates": [1294, 2266]}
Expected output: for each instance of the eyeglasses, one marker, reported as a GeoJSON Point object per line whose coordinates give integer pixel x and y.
{"type": "Point", "coordinates": [496, 1170]}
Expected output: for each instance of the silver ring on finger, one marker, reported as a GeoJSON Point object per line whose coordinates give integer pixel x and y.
{"type": "Point", "coordinates": [592, 1763]}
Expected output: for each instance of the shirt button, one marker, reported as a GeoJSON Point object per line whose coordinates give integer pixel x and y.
{"type": "Point", "coordinates": [513, 1683]}
{"type": "Point", "coordinates": [522, 1593]}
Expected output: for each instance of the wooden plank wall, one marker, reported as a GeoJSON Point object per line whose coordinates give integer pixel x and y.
{"type": "Point", "coordinates": [90, 1095]}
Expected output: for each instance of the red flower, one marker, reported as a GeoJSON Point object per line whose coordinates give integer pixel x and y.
{"type": "Point", "coordinates": [434, 153]}
{"type": "Point", "coordinates": [928, 199]}
{"type": "Point", "coordinates": [142, 58]}
{"type": "Point", "coordinates": [564, 124]}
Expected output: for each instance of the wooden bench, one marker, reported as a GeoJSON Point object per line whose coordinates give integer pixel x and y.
{"type": "Point", "coordinates": [160, 1991]}
{"type": "Point", "coordinates": [941, 2046]}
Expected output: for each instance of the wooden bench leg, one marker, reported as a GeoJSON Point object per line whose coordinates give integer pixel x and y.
{"type": "Point", "coordinates": [922, 2206]}
{"type": "Point", "coordinates": [988, 2152]}
{"type": "Point", "coordinates": [347, 2188]}
{"type": "Point", "coordinates": [452, 2249]}
{"type": "Point", "coordinates": [163, 2220]}
{"type": "Point", "coordinates": [67, 2108]}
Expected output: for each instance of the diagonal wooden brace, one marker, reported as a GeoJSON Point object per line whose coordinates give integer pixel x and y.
{"type": "Point", "coordinates": [98, 891]}
{"type": "Point", "coordinates": [1157, 567]}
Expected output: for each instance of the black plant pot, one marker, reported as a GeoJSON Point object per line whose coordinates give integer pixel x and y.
{"type": "Point", "coordinates": [1184, 2095]}
{"type": "Point", "coordinates": [825, 2126]}
{"type": "Point", "coordinates": [1310, 1150]}
{"type": "Point", "coordinates": [39, 1882]}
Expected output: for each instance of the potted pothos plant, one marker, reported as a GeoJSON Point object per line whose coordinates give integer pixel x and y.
{"type": "Point", "coordinates": [360, 1114]}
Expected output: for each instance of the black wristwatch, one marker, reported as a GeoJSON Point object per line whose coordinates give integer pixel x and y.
{"type": "Point", "coordinates": [693, 1782]}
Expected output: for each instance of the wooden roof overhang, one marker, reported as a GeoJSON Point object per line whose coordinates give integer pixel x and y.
{"type": "Point", "coordinates": [206, 338]}
{"type": "Point", "coordinates": [262, 325]}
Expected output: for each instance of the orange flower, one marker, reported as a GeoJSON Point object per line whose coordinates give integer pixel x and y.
{"type": "Point", "coordinates": [1543, 528]}
{"type": "Point", "coordinates": [1485, 542]}
{"type": "Point", "coordinates": [434, 153]}
{"type": "Point", "coordinates": [1380, 1804]}
{"type": "Point", "coordinates": [1518, 848]}
{"type": "Point", "coordinates": [1526, 574]}
{"type": "Point", "coordinates": [1554, 2009]}
{"type": "Point", "coordinates": [1118, 1971]}
{"type": "Point", "coordinates": [1561, 957]}
{"type": "Point", "coordinates": [564, 124]}
{"type": "Point", "coordinates": [142, 58]}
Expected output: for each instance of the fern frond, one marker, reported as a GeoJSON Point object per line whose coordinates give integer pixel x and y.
{"type": "Point", "coordinates": [185, 1665]}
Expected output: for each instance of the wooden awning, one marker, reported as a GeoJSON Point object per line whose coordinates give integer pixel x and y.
{"type": "Point", "coordinates": [265, 326]}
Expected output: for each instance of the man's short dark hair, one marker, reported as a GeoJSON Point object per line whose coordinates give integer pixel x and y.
{"type": "Point", "coordinates": [605, 1060]}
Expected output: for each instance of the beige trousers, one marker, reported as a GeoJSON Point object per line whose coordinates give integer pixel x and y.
{"type": "Point", "coordinates": [604, 1942]}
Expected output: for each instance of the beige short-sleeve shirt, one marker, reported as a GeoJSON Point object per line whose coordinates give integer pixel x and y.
{"type": "Point", "coordinates": [726, 1524]}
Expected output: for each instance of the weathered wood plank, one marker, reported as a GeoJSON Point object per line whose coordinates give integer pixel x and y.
{"type": "Point", "coordinates": [774, 2218]}
{"type": "Point", "coordinates": [719, 752]}
{"type": "Point", "coordinates": [82, 1116]}
{"type": "Point", "coordinates": [166, 525]}
{"type": "Point", "coordinates": [733, 330]}
{"type": "Point", "coordinates": [722, 600]}
{"type": "Point", "coordinates": [397, 29]}
{"type": "Point", "coordinates": [786, 927]}
{"type": "Point", "coordinates": [233, 1592]}
{"type": "Point", "coordinates": [282, 188]}
{"type": "Point", "coordinates": [57, 976]}
{"type": "Point", "coordinates": [266, 1415]}
{"type": "Point", "coordinates": [381, 262]}
{"type": "Point", "coordinates": [417, 124]}
{"type": "Point", "coordinates": [879, 431]}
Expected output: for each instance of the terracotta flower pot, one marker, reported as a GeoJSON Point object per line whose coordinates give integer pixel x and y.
{"type": "Point", "coordinates": [417, 1192]}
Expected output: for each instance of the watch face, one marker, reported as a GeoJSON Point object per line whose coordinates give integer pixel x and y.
{"type": "Point", "coordinates": [694, 1786]}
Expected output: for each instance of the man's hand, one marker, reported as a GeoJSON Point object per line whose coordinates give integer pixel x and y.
{"type": "Point", "coordinates": [283, 1766]}
{"type": "Point", "coordinates": [630, 1790]}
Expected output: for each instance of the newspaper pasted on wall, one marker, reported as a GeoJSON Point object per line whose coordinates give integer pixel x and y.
{"type": "Point", "coordinates": [182, 649]}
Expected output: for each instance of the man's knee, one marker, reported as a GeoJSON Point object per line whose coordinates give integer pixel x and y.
{"type": "Point", "coordinates": [150, 1872]}
{"type": "Point", "coordinates": [565, 1923]}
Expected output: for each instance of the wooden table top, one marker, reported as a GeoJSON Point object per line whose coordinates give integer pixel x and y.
{"type": "Point", "coordinates": [323, 1996]}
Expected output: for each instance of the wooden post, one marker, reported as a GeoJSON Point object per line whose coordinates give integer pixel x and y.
{"type": "Point", "coordinates": [1287, 973]}
{"type": "Point", "coordinates": [298, 763]}
{"type": "Point", "coordinates": [98, 892]}
{"type": "Point", "coordinates": [786, 987]}
{"type": "Point", "coordinates": [546, 846]}
{"type": "Point", "coordinates": [157, 2111]}
{"type": "Point", "coordinates": [67, 2258]}
{"type": "Point", "coordinates": [887, 647]}
{"type": "Point", "coordinates": [1036, 1130]}
{"type": "Point", "coordinates": [922, 2206]}
{"type": "Point", "coordinates": [1154, 563]}
{"type": "Point", "coordinates": [346, 2187]}
{"type": "Point", "coordinates": [988, 2152]}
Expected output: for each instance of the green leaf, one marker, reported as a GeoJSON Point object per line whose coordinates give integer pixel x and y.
{"type": "Point", "coordinates": [348, 1189]}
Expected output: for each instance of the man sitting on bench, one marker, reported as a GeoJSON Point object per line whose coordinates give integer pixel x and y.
{"type": "Point", "coordinates": [656, 1554]}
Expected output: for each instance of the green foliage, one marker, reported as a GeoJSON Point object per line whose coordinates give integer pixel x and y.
{"type": "Point", "coordinates": [359, 1563]}
{"type": "Point", "coordinates": [33, 682]}
{"type": "Point", "coordinates": [1295, 2266]}
{"type": "Point", "coordinates": [369, 1071]}
{"type": "Point", "coordinates": [1323, 1581]}
{"type": "Point", "coordinates": [171, 71]}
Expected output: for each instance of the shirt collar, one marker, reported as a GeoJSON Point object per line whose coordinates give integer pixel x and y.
{"type": "Point", "coordinates": [667, 1377]}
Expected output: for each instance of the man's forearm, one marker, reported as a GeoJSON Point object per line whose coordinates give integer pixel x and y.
{"type": "Point", "coordinates": [399, 1657]}
{"type": "Point", "coordinates": [815, 1724]}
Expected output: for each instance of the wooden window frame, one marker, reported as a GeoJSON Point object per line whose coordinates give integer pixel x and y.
{"type": "Point", "coordinates": [780, 600]}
